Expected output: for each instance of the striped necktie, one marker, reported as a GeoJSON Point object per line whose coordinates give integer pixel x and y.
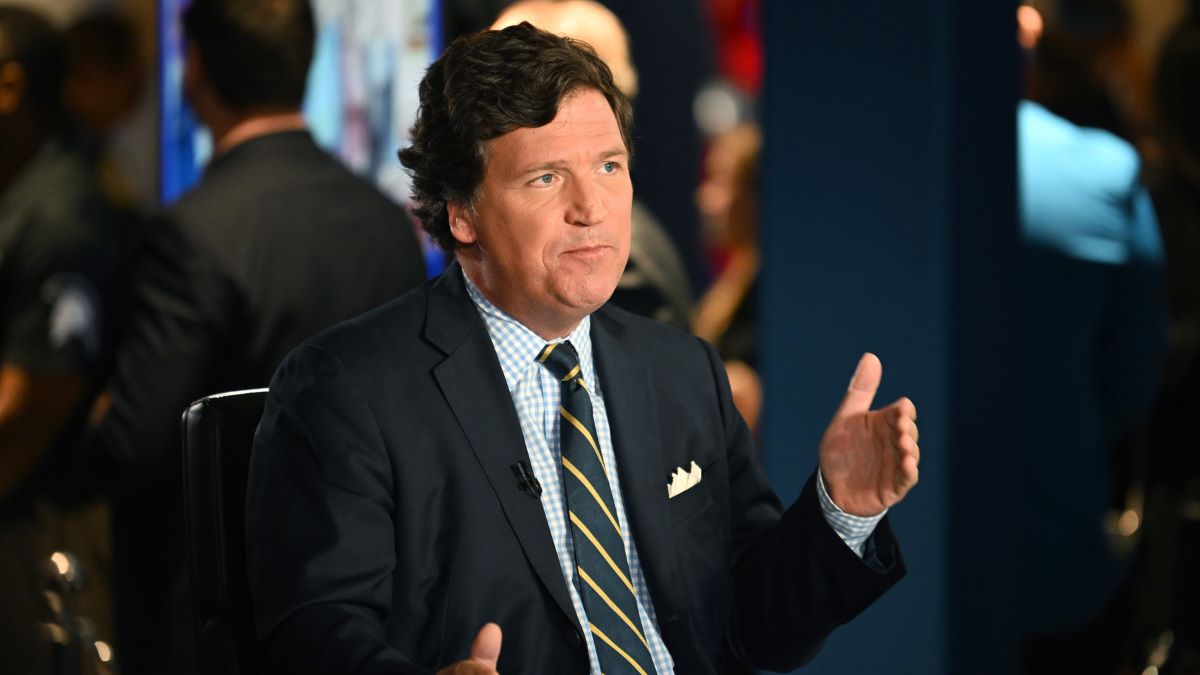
{"type": "Point", "coordinates": [602, 571]}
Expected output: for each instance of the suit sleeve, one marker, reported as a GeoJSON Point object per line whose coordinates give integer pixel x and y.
{"type": "Point", "coordinates": [793, 579]}
{"type": "Point", "coordinates": [319, 532]}
{"type": "Point", "coordinates": [178, 325]}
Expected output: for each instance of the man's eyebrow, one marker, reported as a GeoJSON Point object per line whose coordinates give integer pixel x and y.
{"type": "Point", "coordinates": [544, 166]}
{"type": "Point", "coordinates": [561, 164]}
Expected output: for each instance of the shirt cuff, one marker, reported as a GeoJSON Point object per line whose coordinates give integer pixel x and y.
{"type": "Point", "coordinates": [854, 530]}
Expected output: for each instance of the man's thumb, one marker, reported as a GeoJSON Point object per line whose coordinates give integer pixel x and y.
{"type": "Point", "coordinates": [486, 648]}
{"type": "Point", "coordinates": [863, 385]}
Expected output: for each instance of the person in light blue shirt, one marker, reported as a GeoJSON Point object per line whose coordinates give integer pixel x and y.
{"type": "Point", "coordinates": [1096, 326]}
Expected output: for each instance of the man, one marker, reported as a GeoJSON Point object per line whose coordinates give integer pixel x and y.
{"type": "Point", "coordinates": [278, 241]}
{"type": "Point", "coordinates": [499, 449]}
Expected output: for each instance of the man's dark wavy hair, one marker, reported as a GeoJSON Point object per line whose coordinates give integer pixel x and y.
{"type": "Point", "coordinates": [255, 52]}
{"type": "Point", "coordinates": [484, 86]}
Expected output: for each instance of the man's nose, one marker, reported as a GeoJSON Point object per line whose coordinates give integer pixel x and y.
{"type": "Point", "coordinates": [586, 205]}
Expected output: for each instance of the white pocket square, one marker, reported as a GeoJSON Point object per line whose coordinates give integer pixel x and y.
{"type": "Point", "coordinates": [682, 481]}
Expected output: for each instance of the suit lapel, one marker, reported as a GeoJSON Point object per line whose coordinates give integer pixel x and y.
{"type": "Point", "coordinates": [474, 386]}
{"type": "Point", "coordinates": [626, 383]}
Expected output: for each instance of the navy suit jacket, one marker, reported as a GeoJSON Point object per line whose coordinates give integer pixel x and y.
{"type": "Point", "coordinates": [385, 525]}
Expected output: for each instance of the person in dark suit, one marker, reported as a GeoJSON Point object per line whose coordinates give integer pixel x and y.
{"type": "Point", "coordinates": [499, 448]}
{"type": "Point", "coordinates": [276, 242]}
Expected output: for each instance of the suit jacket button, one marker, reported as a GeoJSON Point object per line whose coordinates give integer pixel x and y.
{"type": "Point", "coordinates": [574, 638]}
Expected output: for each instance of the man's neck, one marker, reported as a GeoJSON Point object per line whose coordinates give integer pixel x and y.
{"type": "Point", "coordinates": [547, 330]}
{"type": "Point", "coordinates": [254, 126]}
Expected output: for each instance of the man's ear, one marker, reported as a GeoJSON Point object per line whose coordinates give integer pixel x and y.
{"type": "Point", "coordinates": [12, 87]}
{"type": "Point", "coordinates": [462, 223]}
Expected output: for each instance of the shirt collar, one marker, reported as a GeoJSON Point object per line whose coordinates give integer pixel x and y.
{"type": "Point", "coordinates": [517, 346]}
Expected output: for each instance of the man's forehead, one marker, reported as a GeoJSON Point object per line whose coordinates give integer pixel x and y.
{"type": "Point", "coordinates": [585, 126]}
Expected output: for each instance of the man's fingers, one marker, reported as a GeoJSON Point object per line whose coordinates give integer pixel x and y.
{"type": "Point", "coordinates": [467, 668]}
{"type": "Point", "coordinates": [905, 408]}
{"type": "Point", "coordinates": [906, 427]}
{"type": "Point", "coordinates": [907, 446]}
{"type": "Point", "coordinates": [863, 385]}
{"type": "Point", "coordinates": [908, 475]}
{"type": "Point", "coordinates": [485, 650]}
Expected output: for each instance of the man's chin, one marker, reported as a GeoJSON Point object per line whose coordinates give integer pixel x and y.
{"type": "Point", "coordinates": [590, 298]}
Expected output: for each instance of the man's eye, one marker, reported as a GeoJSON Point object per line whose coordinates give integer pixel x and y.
{"type": "Point", "coordinates": [609, 167]}
{"type": "Point", "coordinates": [544, 179]}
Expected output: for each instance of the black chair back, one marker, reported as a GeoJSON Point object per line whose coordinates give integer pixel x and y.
{"type": "Point", "coordinates": [218, 432]}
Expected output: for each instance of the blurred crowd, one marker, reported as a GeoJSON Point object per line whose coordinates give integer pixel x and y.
{"type": "Point", "coordinates": [1110, 215]}
{"type": "Point", "coordinates": [117, 311]}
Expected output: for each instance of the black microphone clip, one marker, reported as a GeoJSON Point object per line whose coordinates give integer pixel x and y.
{"type": "Point", "coordinates": [526, 481]}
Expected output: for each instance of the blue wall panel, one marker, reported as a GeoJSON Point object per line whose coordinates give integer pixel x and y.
{"type": "Point", "coordinates": [879, 221]}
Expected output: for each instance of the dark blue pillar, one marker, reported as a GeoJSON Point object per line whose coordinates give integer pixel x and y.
{"type": "Point", "coordinates": [888, 225]}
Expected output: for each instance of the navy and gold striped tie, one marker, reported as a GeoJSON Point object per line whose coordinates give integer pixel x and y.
{"type": "Point", "coordinates": [601, 568]}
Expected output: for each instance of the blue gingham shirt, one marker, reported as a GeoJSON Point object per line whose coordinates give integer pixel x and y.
{"type": "Point", "coordinates": [536, 394]}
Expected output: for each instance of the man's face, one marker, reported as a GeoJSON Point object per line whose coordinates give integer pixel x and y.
{"type": "Point", "coordinates": [549, 236]}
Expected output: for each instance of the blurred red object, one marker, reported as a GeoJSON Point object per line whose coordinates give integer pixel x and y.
{"type": "Point", "coordinates": [737, 34]}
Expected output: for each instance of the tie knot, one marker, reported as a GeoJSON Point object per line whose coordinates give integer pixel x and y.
{"type": "Point", "coordinates": [561, 359]}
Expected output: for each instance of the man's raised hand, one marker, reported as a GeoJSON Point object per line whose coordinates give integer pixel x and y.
{"type": "Point", "coordinates": [869, 457]}
{"type": "Point", "coordinates": [485, 651]}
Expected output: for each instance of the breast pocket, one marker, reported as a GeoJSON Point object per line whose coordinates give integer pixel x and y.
{"type": "Point", "coordinates": [690, 502]}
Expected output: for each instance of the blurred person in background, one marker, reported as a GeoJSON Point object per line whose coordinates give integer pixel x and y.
{"type": "Point", "coordinates": [56, 250]}
{"type": "Point", "coordinates": [276, 242]}
{"type": "Point", "coordinates": [1090, 70]}
{"type": "Point", "coordinates": [727, 315]}
{"type": "Point", "coordinates": [105, 81]}
{"type": "Point", "coordinates": [654, 283]}
{"type": "Point", "coordinates": [1094, 296]}
{"type": "Point", "coordinates": [1175, 184]}
{"type": "Point", "coordinates": [1168, 587]}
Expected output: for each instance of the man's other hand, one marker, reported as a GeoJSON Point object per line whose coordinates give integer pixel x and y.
{"type": "Point", "coordinates": [869, 457]}
{"type": "Point", "coordinates": [485, 651]}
